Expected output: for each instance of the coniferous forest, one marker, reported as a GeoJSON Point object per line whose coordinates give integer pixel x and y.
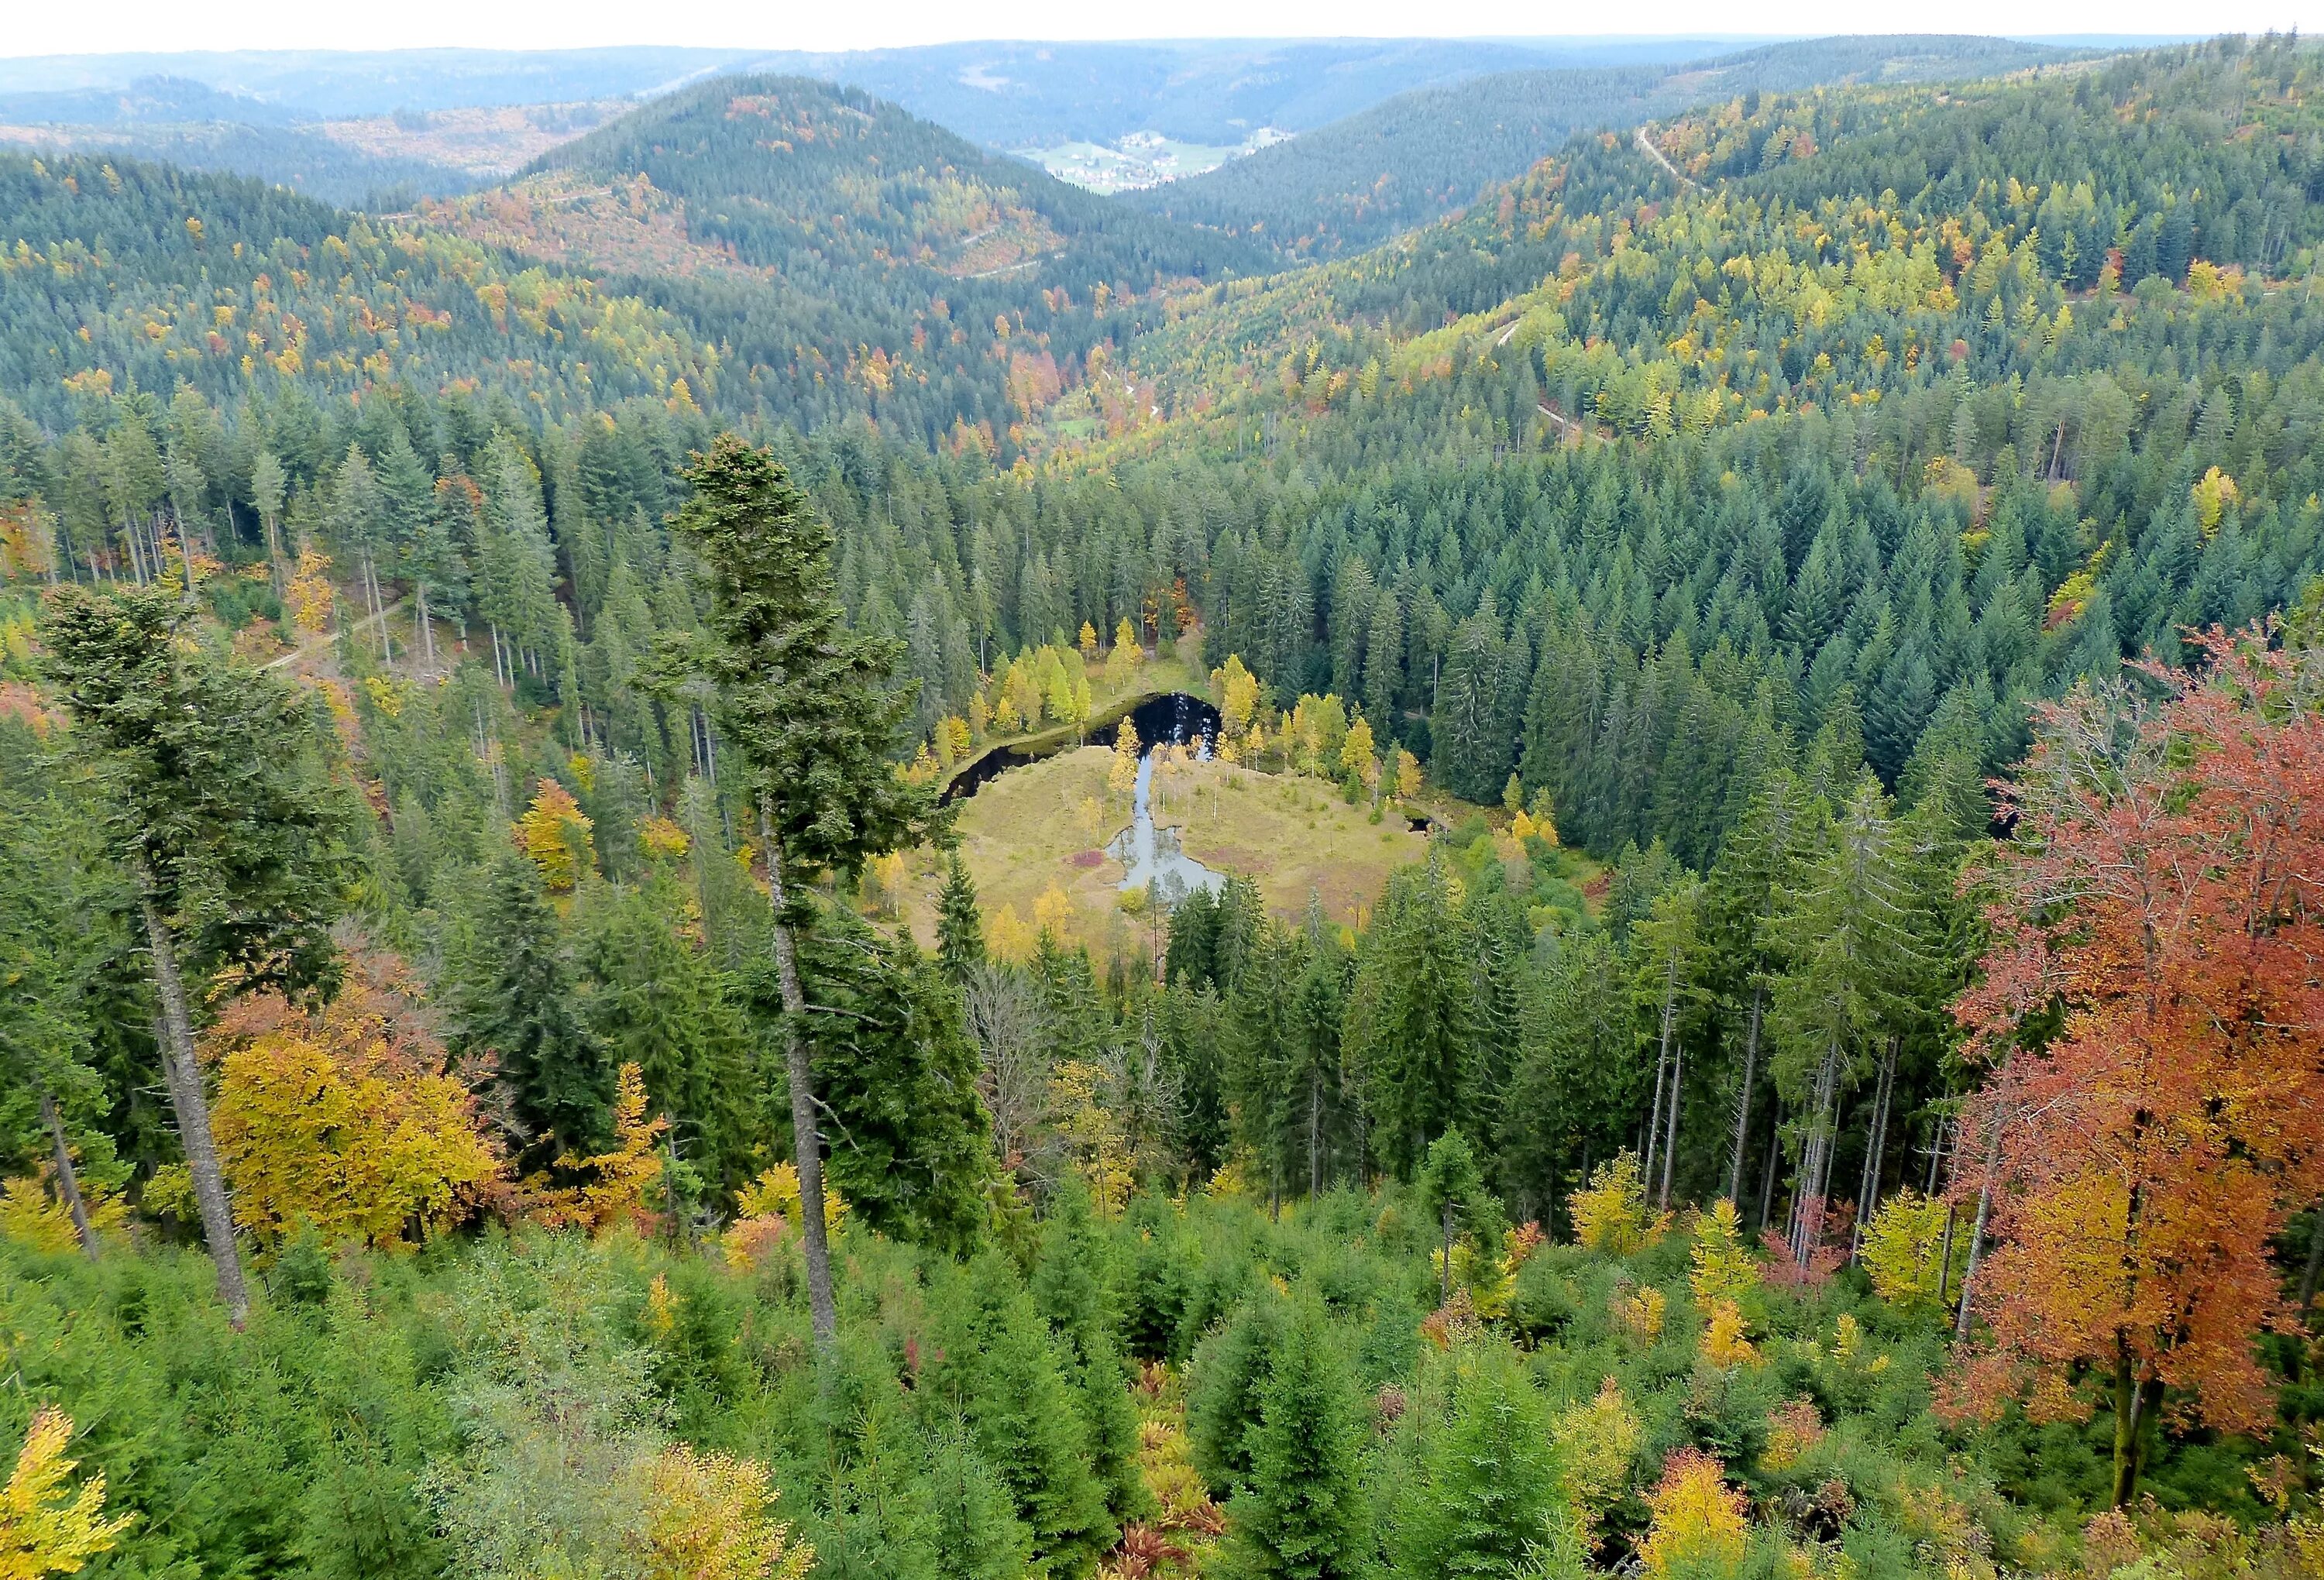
{"type": "Point", "coordinates": [575, 998]}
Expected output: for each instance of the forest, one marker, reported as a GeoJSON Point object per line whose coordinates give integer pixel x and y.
{"type": "Point", "coordinates": [506, 1070]}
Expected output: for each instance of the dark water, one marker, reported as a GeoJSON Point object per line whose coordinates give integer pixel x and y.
{"type": "Point", "coordinates": [1175, 717]}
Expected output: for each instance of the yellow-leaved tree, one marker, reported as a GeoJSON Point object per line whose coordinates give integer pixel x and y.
{"type": "Point", "coordinates": [1722, 1268]}
{"type": "Point", "coordinates": [613, 1191]}
{"type": "Point", "coordinates": [1238, 691]}
{"type": "Point", "coordinates": [1596, 1443]}
{"type": "Point", "coordinates": [348, 1119]}
{"type": "Point", "coordinates": [706, 1520]}
{"type": "Point", "coordinates": [1121, 774]}
{"type": "Point", "coordinates": [555, 833]}
{"type": "Point", "coordinates": [47, 1526]}
{"type": "Point", "coordinates": [1699, 1528]}
{"type": "Point", "coordinates": [1904, 1252]}
{"type": "Point", "coordinates": [1611, 1216]}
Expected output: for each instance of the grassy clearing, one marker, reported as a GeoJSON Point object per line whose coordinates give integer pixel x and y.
{"type": "Point", "coordinates": [1045, 826]}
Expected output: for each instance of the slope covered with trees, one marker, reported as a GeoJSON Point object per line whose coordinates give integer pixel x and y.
{"type": "Point", "coordinates": [1414, 158]}
{"type": "Point", "coordinates": [1832, 1098]}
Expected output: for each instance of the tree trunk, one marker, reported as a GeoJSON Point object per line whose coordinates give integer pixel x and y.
{"type": "Point", "coordinates": [1976, 1231]}
{"type": "Point", "coordinates": [184, 1078]}
{"type": "Point", "coordinates": [1875, 1148]}
{"type": "Point", "coordinates": [274, 557]}
{"type": "Point", "coordinates": [2315, 1263]}
{"type": "Point", "coordinates": [185, 551]}
{"type": "Point", "coordinates": [806, 1139]}
{"type": "Point", "coordinates": [1743, 1102]}
{"type": "Point", "coordinates": [1662, 1063]}
{"type": "Point", "coordinates": [1775, 1160]}
{"type": "Point", "coordinates": [1670, 1134]}
{"type": "Point", "coordinates": [67, 1181]}
{"type": "Point", "coordinates": [427, 630]}
{"type": "Point", "coordinates": [1314, 1134]}
{"type": "Point", "coordinates": [1445, 1279]}
{"type": "Point", "coordinates": [2135, 1400]}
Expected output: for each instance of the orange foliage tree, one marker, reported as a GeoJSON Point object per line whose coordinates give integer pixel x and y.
{"type": "Point", "coordinates": [2150, 1005]}
{"type": "Point", "coordinates": [348, 1120]}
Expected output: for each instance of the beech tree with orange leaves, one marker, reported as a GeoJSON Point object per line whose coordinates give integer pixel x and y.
{"type": "Point", "coordinates": [2150, 1009]}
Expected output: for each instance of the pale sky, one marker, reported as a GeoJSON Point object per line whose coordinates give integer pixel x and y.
{"type": "Point", "coordinates": [43, 27]}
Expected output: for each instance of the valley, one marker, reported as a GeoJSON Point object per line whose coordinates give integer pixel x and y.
{"type": "Point", "coordinates": [1567, 831]}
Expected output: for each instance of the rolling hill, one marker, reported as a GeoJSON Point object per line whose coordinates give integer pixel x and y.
{"type": "Point", "coordinates": [187, 123]}
{"type": "Point", "coordinates": [1422, 154]}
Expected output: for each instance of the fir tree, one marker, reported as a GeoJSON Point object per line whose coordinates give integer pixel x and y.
{"type": "Point", "coordinates": [1474, 1491]}
{"type": "Point", "coordinates": [897, 1071]}
{"type": "Point", "coordinates": [217, 808]}
{"type": "Point", "coordinates": [1301, 1516]}
{"type": "Point", "coordinates": [518, 1001]}
{"type": "Point", "coordinates": [960, 926]}
{"type": "Point", "coordinates": [804, 700]}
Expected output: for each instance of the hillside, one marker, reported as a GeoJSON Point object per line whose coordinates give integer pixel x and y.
{"type": "Point", "coordinates": [1021, 95]}
{"type": "Point", "coordinates": [835, 240]}
{"type": "Point", "coordinates": [1416, 157]}
{"type": "Point", "coordinates": [186, 123]}
{"type": "Point", "coordinates": [509, 1069]}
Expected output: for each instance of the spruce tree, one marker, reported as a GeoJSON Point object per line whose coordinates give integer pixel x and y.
{"type": "Point", "coordinates": [218, 808]}
{"type": "Point", "coordinates": [1301, 1516]}
{"type": "Point", "coordinates": [805, 701]}
{"type": "Point", "coordinates": [1004, 1372]}
{"type": "Point", "coordinates": [895, 1068]}
{"type": "Point", "coordinates": [1227, 1397]}
{"type": "Point", "coordinates": [655, 1001]}
{"type": "Point", "coordinates": [960, 926]}
{"type": "Point", "coordinates": [518, 999]}
{"type": "Point", "coordinates": [1072, 1287]}
{"type": "Point", "coordinates": [1474, 1491]}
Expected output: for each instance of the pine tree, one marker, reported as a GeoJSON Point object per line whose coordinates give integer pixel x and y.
{"type": "Point", "coordinates": [804, 699]}
{"type": "Point", "coordinates": [960, 926]}
{"type": "Point", "coordinates": [1302, 1515]}
{"type": "Point", "coordinates": [219, 809]}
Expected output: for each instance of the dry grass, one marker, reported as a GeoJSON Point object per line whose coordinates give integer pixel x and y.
{"type": "Point", "coordinates": [1044, 827]}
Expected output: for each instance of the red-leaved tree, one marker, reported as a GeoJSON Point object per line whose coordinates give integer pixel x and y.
{"type": "Point", "coordinates": [2151, 1013]}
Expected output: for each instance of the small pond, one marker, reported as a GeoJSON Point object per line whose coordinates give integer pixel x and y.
{"type": "Point", "coordinates": [1151, 855]}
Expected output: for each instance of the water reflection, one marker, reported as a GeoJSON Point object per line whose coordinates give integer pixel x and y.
{"type": "Point", "coordinates": [1152, 855]}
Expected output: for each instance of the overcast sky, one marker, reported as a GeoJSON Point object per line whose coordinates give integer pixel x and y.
{"type": "Point", "coordinates": [43, 27]}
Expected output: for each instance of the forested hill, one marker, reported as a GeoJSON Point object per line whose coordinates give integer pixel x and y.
{"type": "Point", "coordinates": [119, 274]}
{"type": "Point", "coordinates": [527, 835]}
{"type": "Point", "coordinates": [854, 257]}
{"type": "Point", "coordinates": [188, 124]}
{"type": "Point", "coordinates": [787, 169]}
{"type": "Point", "coordinates": [1422, 154]}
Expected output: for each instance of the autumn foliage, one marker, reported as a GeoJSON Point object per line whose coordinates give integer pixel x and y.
{"type": "Point", "coordinates": [348, 1119]}
{"type": "Point", "coordinates": [2150, 1009]}
{"type": "Point", "coordinates": [47, 1525]}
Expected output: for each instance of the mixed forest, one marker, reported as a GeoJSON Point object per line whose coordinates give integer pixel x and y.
{"type": "Point", "coordinates": [505, 1071]}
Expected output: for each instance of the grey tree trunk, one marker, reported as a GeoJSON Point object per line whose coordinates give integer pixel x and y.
{"type": "Point", "coordinates": [1743, 1101]}
{"type": "Point", "coordinates": [1984, 1208]}
{"type": "Point", "coordinates": [67, 1180]}
{"type": "Point", "coordinates": [1670, 1134]}
{"type": "Point", "coordinates": [806, 1138]}
{"type": "Point", "coordinates": [184, 1078]}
